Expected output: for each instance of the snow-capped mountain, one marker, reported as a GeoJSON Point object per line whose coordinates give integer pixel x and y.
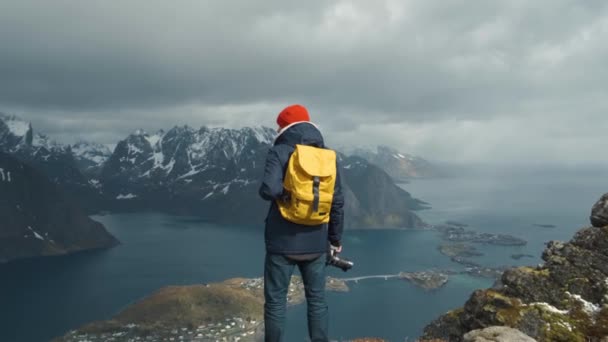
{"type": "Point", "coordinates": [215, 173]}
{"type": "Point", "coordinates": [197, 165]}
{"type": "Point", "coordinates": [39, 219]}
{"type": "Point", "coordinates": [208, 172]}
{"type": "Point", "coordinates": [90, 157]}
{"type": "Point", "coordinates": [14, 133]}
{"type": "Point", "coordinates": [186, 155]}
{"type": "Point", "coordinates": [400, 166]}
{"type": "Point", "coordinates": [54, 160]}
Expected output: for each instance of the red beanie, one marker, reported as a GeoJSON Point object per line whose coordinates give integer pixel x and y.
{"type": "Point", "coordinates": [291, 114]}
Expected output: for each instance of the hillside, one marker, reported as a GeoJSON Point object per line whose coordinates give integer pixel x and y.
{"type": "Point", "coordinates": [39, 219]}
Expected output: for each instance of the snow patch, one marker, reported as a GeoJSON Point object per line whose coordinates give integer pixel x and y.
{"type": "Point", "coordinates": [588, 307]}
{"type": "Point", "coordinates": [133, 149]}
{"type": "Point", "coordinates": [189, 173]}
{"type": "Point", "coordinates": [169, 167]}
{"type": "Point", "coordinates": [226, 189]}
{"type": "Point", "coordinates": [263, 135]}
{"type": "Point", "coordinates": [96, 153]}
{"type": "Point", "coordinates": [5, 176]}
{"type": "Point", "coordinates": [348, 167]}
{"type": "Point", "coordinates": [153, 139]}
{"type": "Point", "coordinates": [549, 308]}
{"type": "Point", "coordinates": [158, 158]}
{"type": "Point", "coordinates": [36, 235]}
{"type": "Point", "coordinates": [17, 127]}
{"type": "Point", "coordinates": [208, 195]}
{"type": "Point", "coordinates": [124, 197]}
{"type": "Point", "coordinates": [565, 325]}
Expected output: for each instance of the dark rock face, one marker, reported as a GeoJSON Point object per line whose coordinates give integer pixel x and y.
{"type": "Point", "coordinates": [566, 299]}
{"type": "Point", "coordinates": [39, 219]}
{"type": "Point", "coordinates": [599, 212]}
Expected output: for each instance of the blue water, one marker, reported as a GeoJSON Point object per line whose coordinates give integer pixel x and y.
{"type": "Point", "coordinates": [43, 298]}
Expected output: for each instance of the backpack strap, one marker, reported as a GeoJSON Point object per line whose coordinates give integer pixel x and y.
{"type": "Point", "coordinates": [316, 181]}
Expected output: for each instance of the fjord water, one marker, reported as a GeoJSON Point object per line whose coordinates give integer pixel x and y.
{"type": "Point", "coordinates": [43, 298]}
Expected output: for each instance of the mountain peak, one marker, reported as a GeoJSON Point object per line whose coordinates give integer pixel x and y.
{"type": "Point", "coordinates": [139, 132]}
{"type": "Point", "coordinates": [400, 166]}
{"type": "Point", "coordinates": [16, 126]}
{"type": "Point", "coordinates": [43, 140]}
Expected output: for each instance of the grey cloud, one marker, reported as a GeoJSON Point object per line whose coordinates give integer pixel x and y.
{"type": "Point", "coordinates": [357, 64]}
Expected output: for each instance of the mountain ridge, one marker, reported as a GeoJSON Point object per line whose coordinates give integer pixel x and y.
{"type": "Point", "coordinates": [209, 172]}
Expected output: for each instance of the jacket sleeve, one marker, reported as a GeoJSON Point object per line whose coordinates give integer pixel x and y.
{"type": "Point", "coordinates": [336, 217]}
{"type": "Point", "coordinates": [272, 182]}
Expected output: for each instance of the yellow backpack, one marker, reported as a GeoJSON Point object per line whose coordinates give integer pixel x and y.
{"type": "Point", "coordinates": [310, 179]}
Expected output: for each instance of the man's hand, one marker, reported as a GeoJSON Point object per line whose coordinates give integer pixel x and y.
{"type": "Point", "coordinates": [336, 249]}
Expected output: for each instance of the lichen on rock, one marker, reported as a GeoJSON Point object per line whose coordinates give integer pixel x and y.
{"type": "Point", "coordinates": [565, 299]}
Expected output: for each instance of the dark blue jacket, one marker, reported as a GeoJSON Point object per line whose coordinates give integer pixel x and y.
{"type": "Point", "coordinates": [282, 236]}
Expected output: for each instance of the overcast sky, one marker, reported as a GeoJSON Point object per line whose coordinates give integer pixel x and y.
{"type": "Point", "coordinates": [450, 80]}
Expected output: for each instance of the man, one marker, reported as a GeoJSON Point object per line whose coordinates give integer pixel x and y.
{"type": "Point", "coordinates": [289, 244]}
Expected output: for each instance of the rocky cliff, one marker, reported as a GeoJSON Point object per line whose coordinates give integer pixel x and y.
{"type": "Point", "coordinates": [565, 299]}
{"type": "Point", "coordinates": [37, 218]}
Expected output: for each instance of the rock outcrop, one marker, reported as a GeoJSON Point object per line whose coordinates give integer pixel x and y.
{"type": "Point", "coordinates": [599, 212]}
{"type": "Point", "coordinates": [566, 299]}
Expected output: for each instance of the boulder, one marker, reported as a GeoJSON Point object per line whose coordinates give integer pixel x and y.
{"type": "Point", "coordinates": [599, 212]}
{"type": "Point", "coordinates": [497, 334]}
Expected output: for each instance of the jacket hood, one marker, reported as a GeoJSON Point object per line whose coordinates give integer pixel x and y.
{"type": "Point", "coordinates": [303, 133]}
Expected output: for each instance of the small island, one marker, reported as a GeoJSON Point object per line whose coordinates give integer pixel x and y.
{"type": "Point", "coordinates": [460, 234]}
{"type": "Point", "coordinates": [544, 225]}
{"type": "Point", "coordinates": [428, 280]}
{"type": "Point", "coordinates": [461, 250]}
{"type": "Point", "coordinates": [519, 256]}
{"type": "Point", "coordinates": [456, 224]}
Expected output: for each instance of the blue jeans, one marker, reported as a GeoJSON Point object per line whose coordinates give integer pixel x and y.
{"type": "Point", "coordinates": [277, 275]}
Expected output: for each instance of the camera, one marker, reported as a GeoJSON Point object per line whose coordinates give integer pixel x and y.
{"type": "Point", "coordinates": [334, 260]}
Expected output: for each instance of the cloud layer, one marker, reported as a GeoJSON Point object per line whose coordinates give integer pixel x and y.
{"type": "Point", "coordinates": [455, 80]}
